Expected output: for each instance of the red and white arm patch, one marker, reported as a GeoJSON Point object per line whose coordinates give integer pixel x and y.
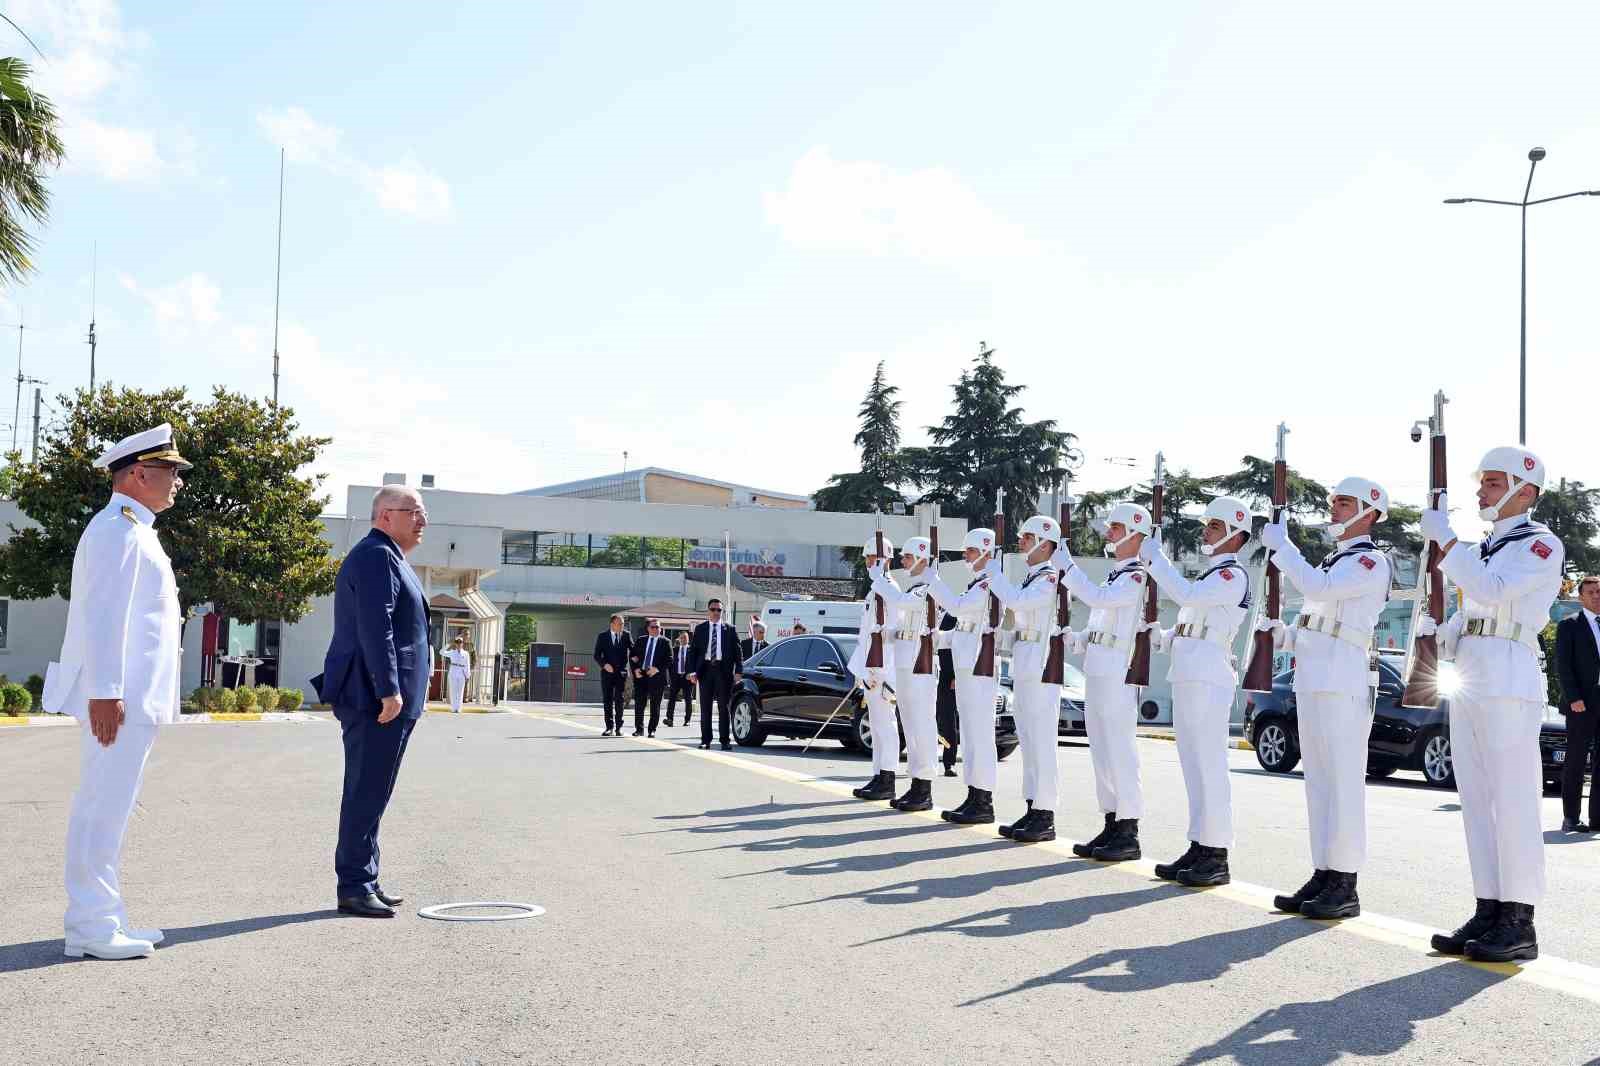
{"type": "Point", "coordinates": [1138, 577]}
{"type": "Point", "coordinates": [1227, 575]}
{"type": "Point", "coordinates": [1368, 562]}
{"type": "Point", "coordinates": [1540, 548]}
{"type": "Point", "coordinates": [1050, 578]}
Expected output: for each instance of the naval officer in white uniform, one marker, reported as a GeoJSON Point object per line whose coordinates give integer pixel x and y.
{"type": "Point", "coordinates": [459, 663]}
{"type": "Point", "coordinates": [118, 675]}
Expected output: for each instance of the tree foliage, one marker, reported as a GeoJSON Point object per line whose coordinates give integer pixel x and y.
{"type": "Point", "coordinates": [1570, 511]}
{"type": "Point", "coordinates": [244, 534]}
{"type": "Point", "coordinates": [876, 485]}
{"type": "Point", "coordinates": [29, 146]}
{"type": "Point", "coordinates": [521, 630]}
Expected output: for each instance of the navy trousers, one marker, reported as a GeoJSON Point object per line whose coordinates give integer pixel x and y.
{"type": "Point", "coordinates": [372, 755]}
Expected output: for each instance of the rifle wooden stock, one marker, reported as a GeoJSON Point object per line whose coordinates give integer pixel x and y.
{"type": "Point", "coordinates": [925, 657]}
{"type": "Point", "coordinates": [1139, 665]}
{"type": "Point", "coordinates": [985, 667]}
{"type": "Point", "coordinates": [1054, 663]}
{"type": "Point", "coordinates": [1422, 669]}
{"type": "Point", "coordinates": [1258, 676]}
{"type": "Point", "coordinates": [875, 646]}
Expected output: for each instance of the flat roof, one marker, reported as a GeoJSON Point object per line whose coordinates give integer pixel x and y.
{"type": "Point", "coordinates": [640, 473]}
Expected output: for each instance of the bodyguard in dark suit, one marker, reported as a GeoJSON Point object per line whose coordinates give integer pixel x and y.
{"type": "Point", "coordinates": [752, 645]}
{"type": "Point", "coordinates": [376, 677]}
{"type": "Point", "coordinates": [678, 682]}
{"type": "Point", "coordinates": [651, 662]}
{"type": "Point", "coordinates": [1578, 666]}
{"type": "Point", "coordinates": [612, 650]}
{"type": "Point", "coordinates": [715, 665]}
{"type": "Point", "coordinates": [949, 718]}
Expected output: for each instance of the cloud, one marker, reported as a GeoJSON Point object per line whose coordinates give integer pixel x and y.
{"type": "Point", "coordinates": [405, 188]}
{"type": "Point", "coordinates": [190, 302]}
{"type": "Point", "coordinates": [116, 153]}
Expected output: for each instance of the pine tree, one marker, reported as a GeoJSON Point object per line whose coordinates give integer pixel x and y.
{"type": "Point", "coordinates": [1570, 511]}
{"type": "Point", "coordinates": [875, 486]}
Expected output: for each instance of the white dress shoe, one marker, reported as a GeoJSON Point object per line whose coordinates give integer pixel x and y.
{"type": "Point", "coordinates": [120, 946]}
{"type": "Point", "coordinates": [154, 936]}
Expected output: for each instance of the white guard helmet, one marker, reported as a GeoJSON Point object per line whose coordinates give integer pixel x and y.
{"type": "Point", "coordinates": [870, 548]}
{"type": "Point", "coordinates": [1043, 527]}
{"type": "Point", "coordinates": [1134, 519]}
{"type": "Point", "coordinates": [981, 539]}
{"type": "Point", "coordinates": [1232, 513]}
{"type": "Point", "coordinates": [1370, 495]}
{"type": "Point", "coordinates": [1519, 465]}
{"type": "Point", "coordinates": [918, 548]}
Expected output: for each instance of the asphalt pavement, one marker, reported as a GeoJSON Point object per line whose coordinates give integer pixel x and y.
{"type": "Point", "coordinates": [711, 907]}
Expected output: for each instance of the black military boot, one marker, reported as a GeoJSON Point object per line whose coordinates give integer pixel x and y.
{"type": "Point", "coordinates": [979, 809]}
{"type": "Point", "coordinates": [1086, 849]}
{"type": "Point", "coordinates": [1007, 830]}
{"type": "Point", "coordinates": [1209, 870]}
{"type": "Point", "coordinates": [957, 813]}
{"type": "Point", "coordinates": [881, 787]}
{"type": "Point", "coordinates": [1041, 827]}
{"type": "Point", "coordinates": [1292, 904]}
{"type": "Point", "coordinates": [1337, 899]}
{"type": "Point", "coordinates": [919, 797]}
{"type": "Point", "coordinates": [1168, 871]}
{"type": "Point", "coordinates": [1123, 843]}
{"type": "Point", "coordinates": [1481, 922]}
{"type": "Point", "coordinates": [1512, 937]}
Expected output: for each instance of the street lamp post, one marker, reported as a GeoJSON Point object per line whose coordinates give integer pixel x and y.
{"type": "Point", "coordinates": [1534, 155]}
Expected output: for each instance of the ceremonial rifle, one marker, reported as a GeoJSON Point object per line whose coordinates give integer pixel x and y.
{"type": "Point", "coordinates": [1054, 663]}
{"type": "Point", "coordinates": [1139, 665]}
{"type": "Point", "coordinates": [924, 664]}
{"type": "Point", "coordinates": [1422, 664]}
{"type": "Point", "coordinates": [875, 646]}
{"type": "Point", "coordinates": [985, 664]}
{"type": "Point", "coordinates": [1258, 677]}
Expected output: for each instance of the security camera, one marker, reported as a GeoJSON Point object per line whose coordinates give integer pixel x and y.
{"type": "Point", "coordinates": [1416, 432]}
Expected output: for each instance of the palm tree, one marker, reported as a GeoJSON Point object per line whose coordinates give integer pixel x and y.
{"type": "Point", "coordinates": [28, 144]}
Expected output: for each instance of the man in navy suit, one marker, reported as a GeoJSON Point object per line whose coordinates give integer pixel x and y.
{"type": "Point", "coordinates": [376, 677]}
{"type": "Point", "coordinates": [1578, 666]}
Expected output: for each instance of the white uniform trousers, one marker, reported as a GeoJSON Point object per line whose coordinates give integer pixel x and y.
{"type": "Point", "coordinates": [1037, 710]}
{"type": "Point", "coordinates": [457, 683]}
{"type": "Point", "coordinates": [1111, 717]}
{"type": "Point", "coordinates": [975, 705]}
{"type": "Point", "coordinates": [885, 733]}
{"type": "Point", "coordinates": [1200, 713]}
{"type": "Point", "coordinates": [1494, 747]}
{"type": "Point", "coordinates": [918, 695]}
{"type": "Point", "coordinates": [108, 786]}
{"type": "Point", "coordinates": [1334, 728]}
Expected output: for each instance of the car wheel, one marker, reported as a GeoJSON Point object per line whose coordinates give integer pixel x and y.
{"type": "Point", "coordinates": [1435, 758]}
{"type": "Point", "coordinates": [744, 725]}
{"type": "Point", "coordinates": [1276, 750]}
{"type": "Point", "coordinates": [1381, 770]}
{"type": "Point", "coordinates": [861, 731]}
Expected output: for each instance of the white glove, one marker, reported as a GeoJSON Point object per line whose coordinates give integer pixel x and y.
{"type": "Point", "coordinates": [1160, 639]}
{"type": "Point", "coordinates": [1426, 626]}
{"type": "Point", "coordinates": [1151, 546]}
{"type": "Point", "coordinates": [1275, 536]}
{"type": "Point", "coordinates": [1077, 643]}
{"type": "Point", "coordinates": [1063, 558]}
{"type": "Point", "coordinates": [1436, 526]}
{"type": "Point", "coordinates": [1282, 635]}
{"type": "Point", "coordinates": [994, 567]}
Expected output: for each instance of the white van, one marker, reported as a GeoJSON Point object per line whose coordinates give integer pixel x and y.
{"type": "Point", "coordinates": [818, 616]}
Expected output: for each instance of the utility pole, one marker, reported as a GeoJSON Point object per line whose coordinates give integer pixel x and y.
{"type": "Point", "coordinates": [277, 285]}
{"type": "Point", "coordinates": [38, 397]}
{"type": "Point", "coordinates": [94, 277]}
{"type": "Point", "coordinates": [16, 415]}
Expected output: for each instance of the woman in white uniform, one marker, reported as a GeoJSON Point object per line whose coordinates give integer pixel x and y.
{"type": "Point", "coordinates": [459, 665]}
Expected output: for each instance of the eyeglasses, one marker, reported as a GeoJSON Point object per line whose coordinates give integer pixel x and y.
{"type": "Point", "coordinates": [714, 610]}
{"type": "Point", "coordinates": [163, 467]}
{"type": "Point", "coordinates": [420, 512]}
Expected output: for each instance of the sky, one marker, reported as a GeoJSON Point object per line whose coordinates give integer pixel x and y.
{"type": "Point", "coordinates": [520, 241]}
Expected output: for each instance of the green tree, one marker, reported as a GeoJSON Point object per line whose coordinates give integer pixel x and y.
{"type": "Point", "coordinates": [876, 485]}
{"type": "Point", "coordinates": [521, 630]}
{"type": "Point", "coordinates": [245, 533]}
{"type": "Point", "coordinates": [1569, 509]}
{"type": "Point", "coordinates": [629, 551]}
{"type": "Point", "coordinates": [985, 445]}
{"type": "Point", "coordinates": [1307, 499]}
{"type": "Point", "coordinates": [28, 147]}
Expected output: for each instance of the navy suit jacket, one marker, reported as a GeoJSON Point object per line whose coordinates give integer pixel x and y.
{"type": "Point", "coordinates": [380, 633]}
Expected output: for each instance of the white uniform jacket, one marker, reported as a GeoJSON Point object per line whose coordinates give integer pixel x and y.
{"type": "Point", "coordinates": [869, 626]}
{"type": "Point", "coordinates": [971, 609]}
{"type": "Point", "coordinates": [1033, 615]}
{"type": "Point", "coordinates": [460, 661]}
{"type": "Point", "coordinates": [906, 616]}
{"type": "Point", "coordinates": [1113, 615]}
{"type": "Point", "coordinates": [1510, 580]}
{"type": "Point", "coordinates": [122, 621]}
{"type": "Point", "coordinates": [1345, 596]}
{"type": "Point", "coordinates": [1210, 610]}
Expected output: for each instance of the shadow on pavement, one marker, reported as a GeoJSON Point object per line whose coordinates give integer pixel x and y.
{"type": "Point", "coordinates": [1379, 1019]}
{"type": "Point", "coordinates": [38, 954]}
{"type": "Point", "coordinates": [1557, 836]}
{"type": "Point", "coordinates": [759, 808]}
{"type": "Point", "coordinates": [756, 826]}
{"type": "Point", "coordinates": [1038, 917]}
{"type": "Point", "coordinates": [958, 886]}
{"type": "Point", "coordinates": [798, 841]}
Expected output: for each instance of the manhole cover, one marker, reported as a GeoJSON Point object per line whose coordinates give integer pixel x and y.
{"type": "Point", "coordinates": [480, 911]}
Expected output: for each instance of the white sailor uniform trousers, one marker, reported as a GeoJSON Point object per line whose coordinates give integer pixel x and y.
{"type": "Point", "coordinates": [1210, 610]}
{"type": "Point", "coordinates": [975, 696]}
{"type": "Point", "coordinates": [1111, 705]}
{"type": "Point", "coordinates": [880, 711]}
{"type": "Point", "coordinates": [1036, 706]}
{"type": "Point", "coordinates": [456, 678]}
{"type": "Point", "coordinates": [121, 642]}
{"type": "Point", "coordinates": [1509, 581]}
{"type": "Point", "coordinates": [1332, 642]}
{"type": "Point", "coordinates": [917, 694]}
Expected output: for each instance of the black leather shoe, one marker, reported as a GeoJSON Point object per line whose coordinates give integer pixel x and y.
{"type": "Point", "coordinates": [652, 734]}
{"type": "Point", "coordinates": [1512, 938]}
{"type": "Point", "coordinates": [1007, 830]}
{"type": "Point", "coordinates": [950, 771]}
{"type": "Point", "coordinates": [1569, 825]}
{"type": "Point", "coordinates": [919, 797]}
{"type": "Point", "coordinates": [1123, 843]}
{"type": "Point", "coordinates": [881, 787]}
{"type": "Point", "coordinates": [979, 809]}
{"type": "Point", "coordinates": [726, 746]}
{"type": "Point", "coordinates": [1041, 826]}
{"type": "Point", "coordinates": [638, 732]}
{"type": "Point", "coordinates": [705, 745]}
{"type": "Point", "coordinates": [956, 813]}
{"type": "Point", "coordinates": [1168, 871]}
{"type": "Point", "coordinates": [1086, 849]}
{"type": "Point", "coordinates": [1208, 871]}
{"type": "Point", "coordinates": [1337, 899]}
{"type": "Point", "coordinates": [388, 900]}
{"type": "Point", "coordinates": [1309, 890]}
{"type": "Point", "coordinates": [368, 906]}
{"type": "Point", "coordinates": [1481, 922]}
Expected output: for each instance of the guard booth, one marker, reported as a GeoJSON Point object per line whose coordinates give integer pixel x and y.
{"type": "Point", "coordinates": [545, 665]}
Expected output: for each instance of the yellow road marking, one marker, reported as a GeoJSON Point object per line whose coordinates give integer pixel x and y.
{"type": "Point", "coordinates": [1556, 974]}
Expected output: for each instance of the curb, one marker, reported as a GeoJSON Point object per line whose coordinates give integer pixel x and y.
{"type": "Point", "coordinates": [436, 709]}
{"type": "Point", "coordinates": [247, 716]}
{"type": "Point", "coordinates": [37, 720]}
{"type": "Point", "coordinates": [1236, 743]}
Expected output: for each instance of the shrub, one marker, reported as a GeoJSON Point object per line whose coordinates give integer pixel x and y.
{"type": "Point", "coordinates": [35, 687]}
{"type": "Point", "coordinates": [224, 700]}
{"type": "Point", "coordinates": [244, 699]}
{"type": "Point", "coordinates": [17, 700]}
{"type": "Point", "coordinates": [267, 697]}
{"type": "Point", "coordinates": [290, 699]}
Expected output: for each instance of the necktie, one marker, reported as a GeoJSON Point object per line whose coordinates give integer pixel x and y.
{"type": "Point", "coordinates": [649, 653]}
{"type": "Point", "coordinates": [716, 643]}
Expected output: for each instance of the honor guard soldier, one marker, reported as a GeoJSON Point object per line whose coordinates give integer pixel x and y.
{"type": "Point", "coordinates": [1111, 705]}
{"type": "Point", "coordinates": [1509, 582]}
{"type": "Point", "coordinates": [880, 710]}
{"type": "Point", "coordinates": [118, 675]}
{"type": "Point", "coordinates": [1332, 645]}
{"type": "Point", "coordinates": [916, 694]}
{"type": "Point", "coordinates": [1211, 609]}
{"type": "Point", "coordinates": [975, 695]}
{"type": "Point", "coordinates": [1037, 706]}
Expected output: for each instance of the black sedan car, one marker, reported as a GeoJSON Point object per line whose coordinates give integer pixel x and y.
{"type": "Point", "coordinates": [791, 688]}
{"type": "Point", "coordinates": [1070, 723]}
{"type": "Point", "coordinates": [1403, 738]}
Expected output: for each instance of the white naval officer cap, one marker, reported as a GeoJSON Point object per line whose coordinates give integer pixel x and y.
{"type": "Point", "coordinates": [151, 446]}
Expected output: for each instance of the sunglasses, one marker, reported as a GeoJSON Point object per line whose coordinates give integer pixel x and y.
{"type": "Point", "coordinates": [714, 610]}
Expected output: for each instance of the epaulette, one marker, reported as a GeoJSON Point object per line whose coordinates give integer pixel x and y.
{"type": "Point", "coordinates": [127, 512]}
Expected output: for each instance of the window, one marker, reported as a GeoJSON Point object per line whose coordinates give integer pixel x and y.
{"type": "Point", "coordinates": [788, 655]}
{"type": "Point", "coordinates": [619, 551]}
{"type": "Point", "coordinates": [822, 652]}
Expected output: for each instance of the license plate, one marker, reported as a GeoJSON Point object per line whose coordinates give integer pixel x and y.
{"type": "Point", "coordinates": [1559, 755]}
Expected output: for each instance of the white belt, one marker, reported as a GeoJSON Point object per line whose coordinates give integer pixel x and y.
{"type": "Point", "coordinates": [1335, 629]}
{"type": "Point", "coordinates": [1105, 640]}
{"type": "Point", "coordinates": [1200, 631]}
{"type": "Point", "coordinates": [907, 634]}
{"type": "Point", "coordinates": [968, 627]}
{"type": "Point", "coordinates": [1031, 636]}
{"type": "Point", "coordinates": [1504, 629]}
